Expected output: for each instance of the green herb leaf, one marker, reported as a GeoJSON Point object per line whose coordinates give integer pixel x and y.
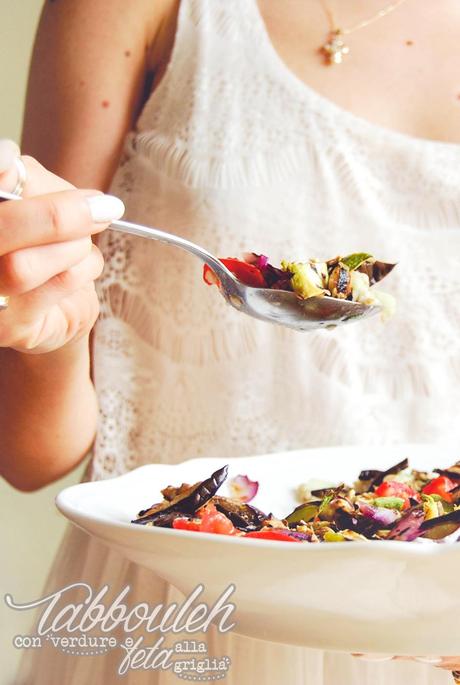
{"type": "Point", "coordinates": [354, 261]}
{"type": "Point", "coordinates": [326, 500]}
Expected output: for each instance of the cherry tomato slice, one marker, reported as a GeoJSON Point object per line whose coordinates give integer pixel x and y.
{"type": "Point", "coordinates": [209, 276]}
{"type": "Point", "coordinates": [186, 524]}
{"type": "Point", "coordinates": [440, 486]}
{"type": "Point", "coordinates": [274, 534]}
{"type": "Point", "coordinates": [394, 488]}
{"type": "Point", "coordinates": [213, 521]}
{"type": "Point", "coordinates": [249, 274]}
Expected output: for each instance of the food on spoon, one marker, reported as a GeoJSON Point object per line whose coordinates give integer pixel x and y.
{"type": "Point", "coordinates": [399, 503]}
{"type": "Point", "coordinates": [308, 279]}
{"type": "Point", "coordinates": [346, 278]}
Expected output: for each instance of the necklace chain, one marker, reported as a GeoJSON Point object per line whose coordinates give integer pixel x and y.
{"type": "Point", "coordinates": [335, 48]}
{"type": "Point", "coordinates": [362, 24]}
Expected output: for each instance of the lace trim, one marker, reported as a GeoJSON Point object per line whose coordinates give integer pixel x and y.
{"type": "Point", "coordinates": [179, 162]}
{"type": "Point", "coordinates": [176, 160]}
{"type": "Point", "coordinates": [198, 347]}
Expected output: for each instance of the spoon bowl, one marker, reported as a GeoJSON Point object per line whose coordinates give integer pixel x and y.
{"type": "Point", "coordinates": [281, 307]}
{"type": "Point", "coordinates": [287, 309]}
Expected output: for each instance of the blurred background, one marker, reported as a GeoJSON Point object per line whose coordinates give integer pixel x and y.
{"type": "Point", "coordinates": [31, 526]}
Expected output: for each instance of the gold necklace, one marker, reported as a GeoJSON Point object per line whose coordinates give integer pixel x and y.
{"type": "Point", "coordinates": [334, 49]}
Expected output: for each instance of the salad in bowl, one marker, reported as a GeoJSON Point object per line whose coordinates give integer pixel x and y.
{"type": "Point", "coordinates": [399, 503]}
{"type": "Point", "coordinates": [322, 579]}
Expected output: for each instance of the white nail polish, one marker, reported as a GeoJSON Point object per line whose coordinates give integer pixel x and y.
{"type": "Point", "coordinates": [8, 152]}
{"type": "Point", "coordinates": [105, 208]}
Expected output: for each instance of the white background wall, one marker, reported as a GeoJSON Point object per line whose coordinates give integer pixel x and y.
{"type": "Point", "coordinates": [30, 526]}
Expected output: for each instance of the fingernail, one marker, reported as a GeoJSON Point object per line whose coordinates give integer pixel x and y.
{"type": "Point", "coordinates": [9, 150]}
{"type": "Point", "coordinates": [373, 657]}
{"type": "Point", "coordinates": [105, 208]}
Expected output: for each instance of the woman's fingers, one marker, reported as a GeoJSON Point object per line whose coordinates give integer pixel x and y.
{"type": "Point", "coordinates": [45, 330]}
{"type": "Point", "coordinates": [65, 283]}
{"type": "Point", "coordinates": [450, 663]}
{"type": "Point", "coordinates": [48, 263]}
{"type": "Point", "coordinates": [38, 180]}
{"type": "Point", "coordinates": [447, 663]}
{"type": "Point", "coordinates": [27, 269]}
{"type": "Point", "coordinates": [373, 657]}
{"type": "Point", "coordinates": [44, 318]}
{"type": "Point", "coordinates": [8, 151]}
{"type": "Point", "coordinates": [63, 216]}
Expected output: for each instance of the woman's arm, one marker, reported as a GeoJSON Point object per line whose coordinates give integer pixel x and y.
{"type": "Point", "coordinates": [89, 69]}
{"type": "Point", "coordinates": [86, 86]}
{"type": "Point", "coordinates": [48, 265]}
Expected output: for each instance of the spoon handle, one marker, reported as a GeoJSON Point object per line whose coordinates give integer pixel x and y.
{"type": "Point", "coordinates": [168, 238]}
{"type": "Point", "coordinates": [157, 234]}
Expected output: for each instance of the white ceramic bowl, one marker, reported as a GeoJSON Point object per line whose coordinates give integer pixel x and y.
{"type": "Point", "coordinates": [389, 597]}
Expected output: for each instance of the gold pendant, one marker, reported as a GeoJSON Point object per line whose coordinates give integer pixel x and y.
{"type": "Point", "coordinates": [334, 49]}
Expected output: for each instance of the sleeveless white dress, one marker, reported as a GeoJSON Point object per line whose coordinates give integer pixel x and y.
{"type": "Point", "coordinates": [236, 153]}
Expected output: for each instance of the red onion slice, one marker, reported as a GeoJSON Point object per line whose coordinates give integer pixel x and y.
{"type": "Point", "coordinates": [381, 515]}
{"type": "Point", "coordinates": [243, 488]}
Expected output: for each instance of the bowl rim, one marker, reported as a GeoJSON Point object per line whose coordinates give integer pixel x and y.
{"type": "Point", "coordinates": [79, 516]}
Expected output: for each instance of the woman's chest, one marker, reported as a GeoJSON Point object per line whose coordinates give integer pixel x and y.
{"type": "Point", "coordinates": [401, 70]}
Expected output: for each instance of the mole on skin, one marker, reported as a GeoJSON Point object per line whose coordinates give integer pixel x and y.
{"type": "Point", "coordinates": [105, 103]}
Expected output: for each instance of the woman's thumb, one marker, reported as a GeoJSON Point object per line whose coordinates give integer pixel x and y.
{"type": "Point", "coordinates": [9, 150]}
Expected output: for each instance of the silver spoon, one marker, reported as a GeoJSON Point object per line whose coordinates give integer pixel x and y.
{"type": "Point", "coordinates": [277, 306]}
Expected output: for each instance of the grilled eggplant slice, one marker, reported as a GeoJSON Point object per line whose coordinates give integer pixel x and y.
{"type": "Point", "coordinates": [243, 516]}
{"type": "Point", "coordinates": [455, 494]}
{"type": "Point", "coordinates": [453, 472]}
{"type": "Point", "coordinates": [408, 528]}
{"type": "Point", "coordinates": [375, 478]}
{"type": "Point", "coordinates": [441, 526]}
{"type": "Point", "coordinates": [188, 500]}
{"type": "Point", "coordinates": [305, 512]}
{"type": "Point", "coordinates": [376, 271]}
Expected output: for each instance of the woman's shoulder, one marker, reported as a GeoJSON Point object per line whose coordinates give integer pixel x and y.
{"type": "Point", "coordinates": [114, 19]}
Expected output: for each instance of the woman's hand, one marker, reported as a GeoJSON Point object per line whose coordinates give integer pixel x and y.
{"type": "Point", "coordinates": [448, 663]}
{"type": "Point", "coordinates": [48, 263]}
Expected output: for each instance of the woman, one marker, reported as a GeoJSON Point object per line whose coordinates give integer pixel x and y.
{"type": "Point", "coordinates": [246, 140]}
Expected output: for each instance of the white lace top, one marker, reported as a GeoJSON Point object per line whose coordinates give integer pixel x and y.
{"type": "Point", "coordinates": [236, 153]}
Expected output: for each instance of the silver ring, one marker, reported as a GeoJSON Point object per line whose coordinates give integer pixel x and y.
{"type": "Point", "coordinates": [4, 301]}
{"type": "Point", "coordinates": [22, 177]}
